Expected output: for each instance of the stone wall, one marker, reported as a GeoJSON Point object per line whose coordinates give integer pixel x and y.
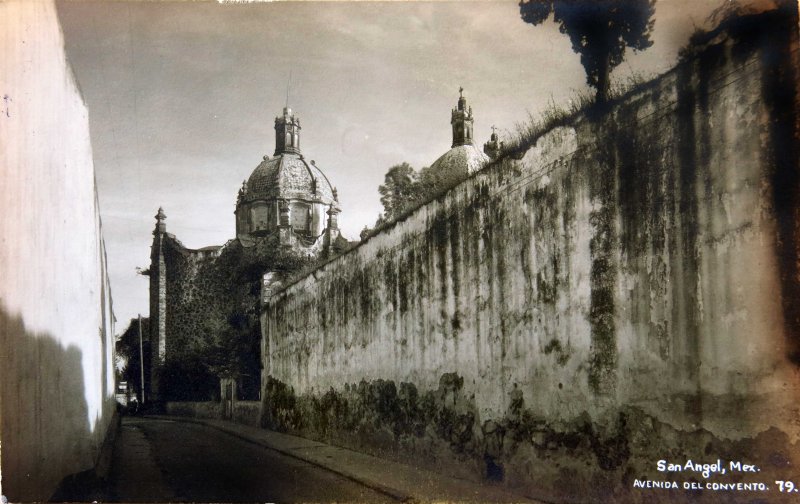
{"type": "Point", "coordinates": [188, 300]}
{"type": "Point", "coordinates": [622, 292]}
{"type": "Point", "coordinates": [206, 308]}
{"type": "Point", "coordinates": [191, 292]}
{"type": "Point", "coordinates": [247, 413]}
{"type": "Point", "coordinates": [195, 409]}
{"type": "Point", "coordinates": [242, 412]}
{"type": "Point", "coordinates": [56, 325]}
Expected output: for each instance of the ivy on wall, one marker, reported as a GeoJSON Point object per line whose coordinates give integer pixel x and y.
{"type": "Point", "coordinates": [213, 328]}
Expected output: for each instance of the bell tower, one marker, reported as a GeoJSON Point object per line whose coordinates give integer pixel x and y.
{"type": "Point", "coordinates": [287, 133]}
{"type": "Point", "coordinates": [461, 120]}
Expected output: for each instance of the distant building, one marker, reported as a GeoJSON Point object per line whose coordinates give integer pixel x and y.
{"type": "Point", "coordinates": [287, 207]}
{"type": "Point", "coordinates": [288, 194]}
{"type": "Point", "coordinates": [464, 157]}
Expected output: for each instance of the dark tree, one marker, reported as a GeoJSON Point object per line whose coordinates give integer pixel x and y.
{"type": "Point", "coordinates": [399, 190]}
{"type": "Point", "coordinates": [128, 354]}
{"type": "Point", "coordinates": [233, 350]}
{"type": "Point", "coordinates": [432, 183]}
{"type": "Point", "coordinates": [404, 189]}
{"type": "Point", "coordinates": [600, 30]}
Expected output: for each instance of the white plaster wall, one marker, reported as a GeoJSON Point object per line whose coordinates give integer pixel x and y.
{"type": "Point", "coordinates": [56, 376]}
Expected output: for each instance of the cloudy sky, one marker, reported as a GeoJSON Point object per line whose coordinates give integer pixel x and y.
{"type": "Point", "coordinates": [182, 97]}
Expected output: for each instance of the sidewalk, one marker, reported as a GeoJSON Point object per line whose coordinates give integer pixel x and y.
{"type": "Point", "coordinates": [145, 483]}
{"type": "Point", "coordinates": [400, 481]}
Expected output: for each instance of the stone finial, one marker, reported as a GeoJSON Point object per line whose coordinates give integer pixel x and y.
{"type": "Point", "coordinates": [335, 194]}
{"type": "Point", "coordinates": [331, 231]}
{"type": "Point", "coordinates": [242, 192]}
{"type": "Point", "coordinates": [333, 218]}
{"type": "Point", "coordinates": [161, 226]}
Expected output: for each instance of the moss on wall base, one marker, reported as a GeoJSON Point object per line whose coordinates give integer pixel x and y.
{"type": "Point", "coordinates": [579, 460]}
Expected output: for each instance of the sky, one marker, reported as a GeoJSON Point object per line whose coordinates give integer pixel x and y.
{"type": "Point", "coordinates": [182, 98]}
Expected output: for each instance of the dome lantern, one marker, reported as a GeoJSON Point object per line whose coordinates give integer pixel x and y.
{"type": "Point", "coordinates": [461, 120]}
{"type": "Point", "coordinates": [287, 133]}
{"type": "Point", "coordinates": [463, 157]}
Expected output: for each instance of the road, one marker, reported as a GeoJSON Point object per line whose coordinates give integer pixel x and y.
{"type": "Point", "coordinates": [158, 460]}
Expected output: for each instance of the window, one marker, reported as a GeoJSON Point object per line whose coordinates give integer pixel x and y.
{"type": "Point", "coordinates": [301, 216]}
{"type": "Point", "coordinates": [259, 217]}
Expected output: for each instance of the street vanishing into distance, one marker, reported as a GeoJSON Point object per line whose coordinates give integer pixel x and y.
{"type": "Point", "coordinates": [158, 460]}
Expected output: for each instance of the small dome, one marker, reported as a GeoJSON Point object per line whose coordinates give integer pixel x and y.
{"type": "Point", "coordinates": [287, 176]}
{"type": "Point", "coordinates": [459, 162]}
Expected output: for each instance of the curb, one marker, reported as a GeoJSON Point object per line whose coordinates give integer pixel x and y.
{"type": "Point", "coordinates": [373, 485]}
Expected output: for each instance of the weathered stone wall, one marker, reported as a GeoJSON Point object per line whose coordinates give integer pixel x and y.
{"type": "Point", "coordinates": [195, 409]}
{"type": "Point", "coordinates": [158, 315]}
{"type": "Point", "coordinates": [189, 297]}
{"type": "Point", "coordinates": [56, 325]}
{"type": "Point", "coordinates": [242, 412]}
{"type": "Point", "coordinates": [202, 300]}
{"type": "Point", "coordinates": [192, 295]}
{"type": "Point", "coordinates": [247, 413]}
{"type": "Point", "coordinates": [622, 293]}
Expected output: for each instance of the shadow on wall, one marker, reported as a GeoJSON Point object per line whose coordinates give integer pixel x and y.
{"type": "Point", "coordinates": [49, 449]}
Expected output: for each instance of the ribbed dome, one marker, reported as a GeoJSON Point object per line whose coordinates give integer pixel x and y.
{"type": "Point", "coordinates": [459, 162]}
{"type": "Point", "coordinates": [287, 176]}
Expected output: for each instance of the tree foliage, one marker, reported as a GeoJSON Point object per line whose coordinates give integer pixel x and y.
{"type": "Point", "coordinates": [599, 30]}
{"type": "Point", "coordinates": [223, 338]}
{"type": "Point", "coordinates": [404, 188]}
{"type": "Point", "coordinates": [232, 348]}
{"type": "Point", "coordinates": [399, 189]}
{"type": "Point", "coordinates": [128, 353]}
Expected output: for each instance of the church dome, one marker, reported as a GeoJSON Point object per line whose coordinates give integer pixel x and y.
{"type": "Point", "coordinates": [460, 161]}
{"type": "Point", "coordinates": [287, 176]}
{"type": "Point", "coordinates": [463, 157]}
{"type": "Point", "coordinates": [286, 193]}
